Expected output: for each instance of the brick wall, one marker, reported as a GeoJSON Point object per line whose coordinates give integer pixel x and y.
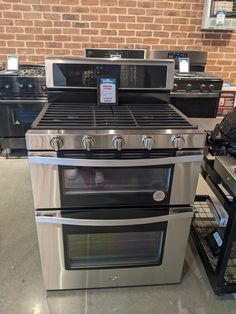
{"type": "Point", "coordinates": [35, 29]}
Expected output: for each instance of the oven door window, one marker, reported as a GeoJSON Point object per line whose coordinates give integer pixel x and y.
{"type": "Point", "coordinates": [111, 247]}
{"type": "Point", "coordinates": [114, 185]}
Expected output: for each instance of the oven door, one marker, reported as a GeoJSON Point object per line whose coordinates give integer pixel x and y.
{"type": "Point", "coordinates": [72, 181]}
{"type": "Point", "coordinates": [16, 117]}
{"type": "Point", "coordinates": [196, 105]}
{"type": "Point", "coordinates": [112, 247]}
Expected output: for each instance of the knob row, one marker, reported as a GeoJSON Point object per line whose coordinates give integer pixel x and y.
{"type": "Point", "coordinates": [189, 87]}
{"type": "Point", "coordinates": [118, 142]}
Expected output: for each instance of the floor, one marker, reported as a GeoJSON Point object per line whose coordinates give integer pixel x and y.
{"type": "Point", "coordinates": [21, 287]}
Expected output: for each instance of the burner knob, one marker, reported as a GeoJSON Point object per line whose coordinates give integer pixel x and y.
{"type": "Point", "coordinates": [148, 142]}
{"type": "Point", "coordinates": [118, 142]}
{"type": "Point", "coordinates": [175, 87]}
{"type": "Point", "coordinates": [56, 143]}
{"type": "Point", "coordinates": [88, 143]}
{"type": "Point", "coordinates": [188, 87]}
{"type": "Point", "coordinates": [44, 88]}
{"type": "Point", "coordinates": [30, 85]}
{"type": "Point", "coordinates": [203, 87]}
{"type": "Point", "coordinates": [178, 142]}
{"type": "Point", "coordinates": [211, 87]}
{"type": "Point", "coordinates": [7, 86]}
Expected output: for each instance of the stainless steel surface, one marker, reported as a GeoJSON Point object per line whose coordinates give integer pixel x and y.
{"type": "Point", "coordinates": [55, 276]}
{"type": "Point", "coordinates": [105, 51]}
{"type": "Point", "coordinates": [196, 57]}
{"type": "Point", "coordinates": [45, 184]}
{"type": "Point", "coordinates": [47, 217]}
{"type": "Point", "coordinates": [45, 174]}
{"type": "Point", "coordinates": [194, 95]}
{"type": "Point", "coordinates": [114, 162]}
{"type": "Point", "coordinates": [40, 139]}
{"type": "Point", "coordinates": [184, 183]}
{"type": "Point", "coordinates": [50, 61]}
{"type": "Point", "coordinates": [225, 166]}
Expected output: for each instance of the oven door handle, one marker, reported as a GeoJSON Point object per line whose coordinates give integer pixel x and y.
{"type": "Point", "coordinates": [113, 162]}
{"type": "Point", "coordinates": [112, 222]}
{"type": "Point", "coordinates": [193, 95]}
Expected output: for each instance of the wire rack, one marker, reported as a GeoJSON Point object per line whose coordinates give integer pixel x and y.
{"type": "Point", "coordinates": [204, 223]}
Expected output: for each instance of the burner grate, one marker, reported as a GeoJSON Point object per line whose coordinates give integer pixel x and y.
{"type": "Point", "coordinates": [92, 116]}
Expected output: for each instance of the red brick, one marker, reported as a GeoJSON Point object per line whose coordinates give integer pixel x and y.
{"type": "Point", "coordinates": [128, 3]}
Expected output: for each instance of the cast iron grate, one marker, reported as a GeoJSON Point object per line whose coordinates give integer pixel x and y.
{"type": "Point", "coordinates": [92, 116]}
{"type": "Point", "coordinates": [203, 223]}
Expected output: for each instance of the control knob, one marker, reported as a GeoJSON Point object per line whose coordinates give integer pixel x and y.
{"type": "Point", "coordinates": [56, 143]}
{"type": "Point", "coordinates": [211, 87]}
{"type": "Point", "coordinates": [88, 142]}
{"type": "Point", "coordinates": [118, 142]}
{"type": "Point", "coordinates": [30, 85]}
{"type": "Point", "coordinates": [21, 85]}
{"type": "Point", "coordinates": [7, 86]}
{"type": "Point", "coordinates": [178, 142]}
{"type": "Point", "coordinates": [203, 87]}
{"type": "Point", "coordinates": [188, 87]}
{"type": "Point", "coordinates": [148, 142]}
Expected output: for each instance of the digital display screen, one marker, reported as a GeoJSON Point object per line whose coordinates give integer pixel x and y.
{"type": "Point", "coordinates": [183, 65]}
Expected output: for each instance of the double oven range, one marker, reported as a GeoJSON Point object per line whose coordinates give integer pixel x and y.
{"type": "Point", "coordinates": [112, 184]}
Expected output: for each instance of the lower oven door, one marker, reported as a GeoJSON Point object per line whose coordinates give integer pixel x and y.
{"type": "Point", "coordinates": [72, 181]}
{"type": "Point", "coordinates": [112, 247]}
{"type": "Point", "coordinates": [196, 105]}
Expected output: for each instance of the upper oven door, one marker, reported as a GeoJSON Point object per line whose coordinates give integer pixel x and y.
{"type": "Point", "coordinates": [73, 181]}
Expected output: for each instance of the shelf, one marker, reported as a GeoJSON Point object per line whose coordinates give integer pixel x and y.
{"type": "Point", "coordinates": [204, 223]}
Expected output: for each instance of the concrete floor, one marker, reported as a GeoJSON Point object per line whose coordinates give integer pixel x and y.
{"type": "Point", "coordinates": [21, 287]}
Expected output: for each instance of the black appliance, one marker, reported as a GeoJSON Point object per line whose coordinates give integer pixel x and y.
{"type": "Point", "coordinates": [115, 53]}
{"type": "Point", "coordinates": [196, 93]}
{"type": "Point", "coordinates": [22, 96]}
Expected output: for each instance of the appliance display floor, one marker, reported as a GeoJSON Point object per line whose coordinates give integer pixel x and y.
{"type": "Point", "coordinates": [21, 289]}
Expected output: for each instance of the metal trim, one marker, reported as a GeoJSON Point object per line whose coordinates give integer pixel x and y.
{"type": "Point", "coordinates": [111, 222]}
{"type": "Point", "coordinates": [165, 62]}
{"type": "Point", "coordinates": [193, 95]}
{"type": "Point", "coordinates": [113, 163]}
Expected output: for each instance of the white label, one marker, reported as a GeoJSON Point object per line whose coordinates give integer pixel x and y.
{"type": "Point", "coordinates": [107, 90]}
{"type": "Point", "coordinates": [183, 65]}
{"type": "Point", "coordinates": [159, 196]}
{"type": "Point", "coordinates": [12, 63]}
{"type": "Point", "coordinates": [218, 238]}
{"type": "Point", "coordinates": [220, 18]}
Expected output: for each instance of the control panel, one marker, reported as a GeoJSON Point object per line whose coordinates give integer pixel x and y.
{"type": "Point", "coordinates": [128, 75]}
{"type": "Point", "coordinates": [11, 86]}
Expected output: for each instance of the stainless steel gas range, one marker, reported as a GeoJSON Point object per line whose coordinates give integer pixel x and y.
{"type": "Point", "coordinates": [112, 184]}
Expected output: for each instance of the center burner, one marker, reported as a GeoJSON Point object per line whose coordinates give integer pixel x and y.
{"type": "Point", "coordinates": [92, 116]}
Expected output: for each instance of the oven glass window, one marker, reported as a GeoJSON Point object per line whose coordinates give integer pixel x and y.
{"type": "Point", "coordinates": [114, 249]}
{"type": "Point", "coordinates": [85, 180]}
